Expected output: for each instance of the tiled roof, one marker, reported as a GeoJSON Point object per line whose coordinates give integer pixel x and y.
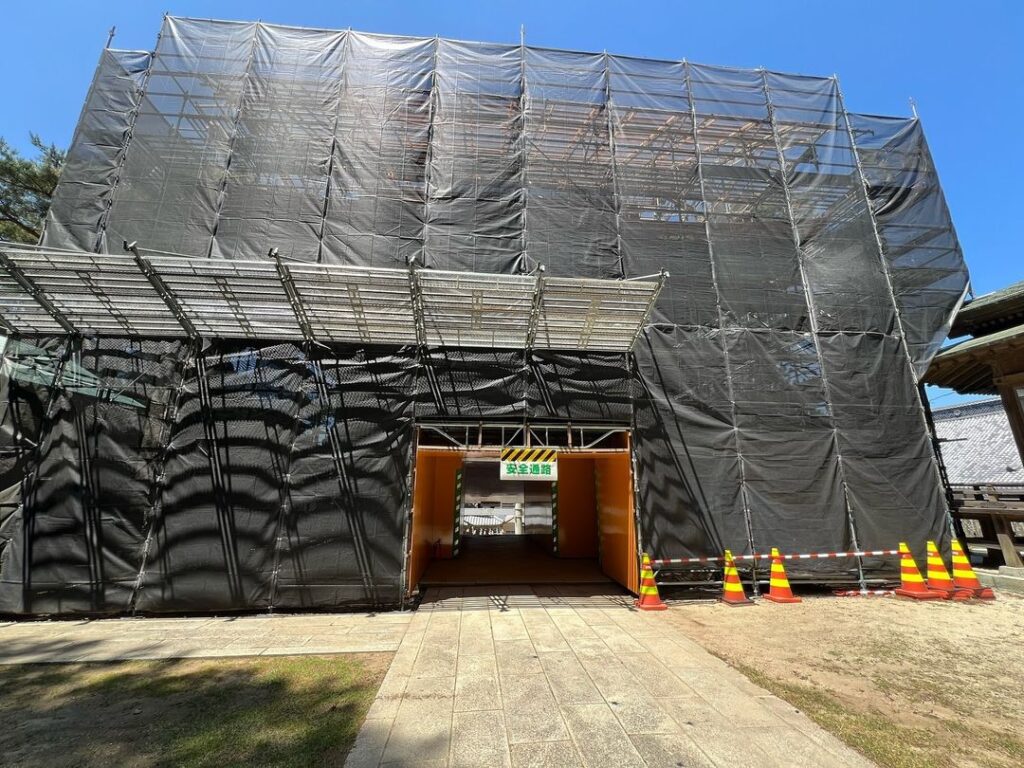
{"type": "Point", "coordinates": [977, 444]}
{"type": "Point", "coordinates": [965, 367]}
{"type": "Point", "coordinates": [990, 312]}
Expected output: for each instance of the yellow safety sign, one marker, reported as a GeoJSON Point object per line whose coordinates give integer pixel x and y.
{"type": "Point", "coordinates": [529, 464]}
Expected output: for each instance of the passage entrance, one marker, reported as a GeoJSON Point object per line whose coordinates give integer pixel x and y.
{"type": "Point", "coordinates": [475, 522]}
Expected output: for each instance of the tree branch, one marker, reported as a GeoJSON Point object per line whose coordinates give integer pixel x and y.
{"type": "Point", "coordinates": [4, 216]}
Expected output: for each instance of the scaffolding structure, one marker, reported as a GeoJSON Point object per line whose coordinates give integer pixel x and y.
{"type": "Point", "coordinates": [458, 232]}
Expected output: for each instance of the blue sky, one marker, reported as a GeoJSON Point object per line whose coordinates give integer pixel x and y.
{"type": "Point", "coordinates": [963, 64]}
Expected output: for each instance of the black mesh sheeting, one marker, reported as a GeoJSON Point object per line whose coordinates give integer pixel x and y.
{"type": "Point", "coordinates": [377, 202]}
{"type": "Point", "coordinates": [464, 384]}
{"type": "Point", "coordinates": [87, 491]}
{"type": "Point", "coordinates": [169, 194]}
{"type": "Point", "coordinates": [575, 387]}
{"type": "Point", "coordinates": [773, 393]}
{"type": "Point", "coordinates": [26, 385]}
{"type": "Point", "coordinates": [214, 542]}
{"type": "Point", "coordinates": [77, 215]}
{"type": "Point", "coordinates": [476, 195]}
{"type": "Point", "coordinates": [286, 122]}
{"type": "Point", "coordinates": [285, 484]}
{"type": "Point", "coordinates": [690, 493]}
{"type": "Point", "coordinates": [348, 482]}
{"type": "Point", "coordinates": [929, 277]}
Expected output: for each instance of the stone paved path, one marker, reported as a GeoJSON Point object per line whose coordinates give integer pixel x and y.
{"type": "Point", "coordinates": [557, 677]}
{"type": "Point", "coordinates": [528, 677]}
{"type": "Point", "coordinates": [153, 638]}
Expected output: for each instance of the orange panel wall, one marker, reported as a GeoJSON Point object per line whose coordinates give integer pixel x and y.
{"type": "Point", "coordinates": [577, 517]}
{"type": "Point", "coordinates": [422, 501]}
{"type": "Point", "coordinates": [443, 512]}
{"type": "Point", "coordinates": [615, 519]}
{"type": "Point", "coordinates": [433, 509]}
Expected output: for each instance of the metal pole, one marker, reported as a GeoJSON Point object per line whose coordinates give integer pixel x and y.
{"type": "Point", "coordinates": [30, 477]}
{"type": "Point", "coordinates": [813, 319]}
{"type": "Point", "coordinates": [744, 496]}
{"type": "Point", "coordinates": [158, 470]}
{"type": "Point", "coordinates": [162, 290]}
{"type": "Point", "coordinates": [329, 186]}
{"type": "Point", "coordinates": [104, 219]}
{"type": "Point", "coordinates": [616, 193]}
{"type": "Point", "coordinates": [936, 458]}
{"type": "Point", "coordinates": [523, 186]}
{"type": "Point", "coordinates": [429, 160]}
{"type": "Point", "coordinates": [649, 309]}
{"type": "Point", "coordinates": [232, 140]}
{"type": "Point", "coordinates": [404, 588]}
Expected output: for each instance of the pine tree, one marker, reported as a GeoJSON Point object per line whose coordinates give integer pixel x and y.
{"type": "Point", "coordinates": [26, 189]}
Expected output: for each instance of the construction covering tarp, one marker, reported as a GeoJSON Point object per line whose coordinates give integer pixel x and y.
{"type": "Point", "coordinates": [773, 393]}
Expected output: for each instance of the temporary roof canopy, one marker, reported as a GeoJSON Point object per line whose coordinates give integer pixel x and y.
{"type": "Point", "coordinates": [51, 291]}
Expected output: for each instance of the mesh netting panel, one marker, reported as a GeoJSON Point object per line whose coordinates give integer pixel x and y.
{"type": "Point", "coordinates": [175, 167]}
{"type": "Point", "coordinates": [662, 221]}
{"type": "Point", "coordinates": [844, 273]}
{"type": "Point", "coordinates": [570, 205]}
{"type": "Point", "coordinates": [756, 266]}
{"type": "Point", "coordinates": [580, 387]}
{"type": "Point", "coordinates": [460, 383]}
{"type": "Point", "coordinates": [929, 277]}
{"type": "Point", "coordinates": [214, 541]}
{"type": "Point", "coordinates": [377, 203]}
{"type": "Point", "coordinates": [475, 208]}
{"type": "Point", "coordinates": [87, 509]}
{"type": "Point", "coordinates": [91, 170]}
{"type": "Point", "coordinates": [888, 458]}
{"type": "Point", "coordinates": [278, 174]}
{"type": "Point", "coordinates": [686, 444]}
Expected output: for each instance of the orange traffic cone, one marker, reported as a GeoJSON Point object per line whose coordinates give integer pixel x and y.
{"type": "Point", "coordinates": [937, 578]}
{"type": "Point", "coordinates": [911, 583]}
{"type": "Point", "coordinates": [779, 590]}
{"type": "Point", "coordinates": [732, 589]}
{"type": "Point", "coordinates": [649, 599]}
{"type": "Point", "coordinates": [964, 578]}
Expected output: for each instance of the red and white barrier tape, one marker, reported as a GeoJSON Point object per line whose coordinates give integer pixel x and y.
{"type": "Point", "coordinates": [803, 556]}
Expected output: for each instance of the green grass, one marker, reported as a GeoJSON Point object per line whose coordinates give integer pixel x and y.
{"type": "Point", "coordinates": [284, 711]}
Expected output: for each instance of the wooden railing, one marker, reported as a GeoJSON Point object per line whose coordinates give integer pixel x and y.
{"type": "Point", "coordinates": [991, 516]}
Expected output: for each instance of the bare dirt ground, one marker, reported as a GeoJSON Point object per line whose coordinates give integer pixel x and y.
{"type": "Point", "coordinates": [909, 684]}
